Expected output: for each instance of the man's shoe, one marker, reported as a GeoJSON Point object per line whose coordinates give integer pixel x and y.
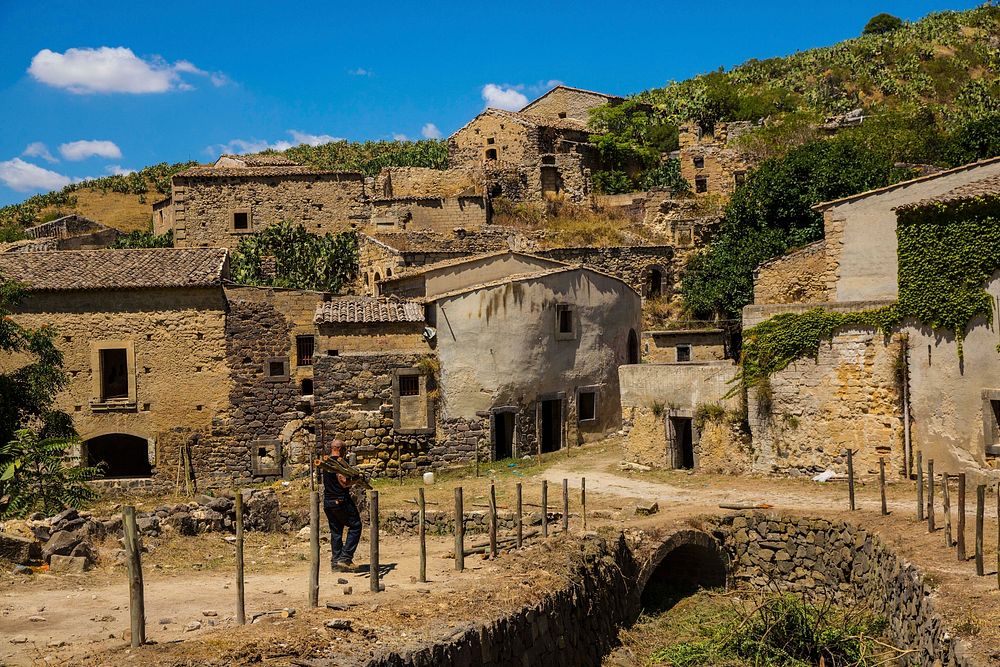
{"type": "Point", "coordinates": [345, 566]}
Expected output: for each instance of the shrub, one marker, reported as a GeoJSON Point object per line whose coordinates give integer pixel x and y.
{"type": "Point", "coordinates": [144, 240]}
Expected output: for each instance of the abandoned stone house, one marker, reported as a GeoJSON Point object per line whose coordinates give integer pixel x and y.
{"type": "Point", "coordinates": [70, 232]}
{"type": "Point", "coordinates": [686, 345]}
{"type": "Point", "coordinates": [939, 405]}
{"type": "Point", "coordinates": [567, 102]}
{"type": "Point", "coordinates": [709, 161]}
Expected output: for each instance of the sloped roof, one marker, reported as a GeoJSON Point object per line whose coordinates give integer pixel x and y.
{"type": "Point", "coordinates": [257, 165]}
{"type": "Point", "coordinates": [116, 269]}
{"type": "Point", "coordinates": [572, 90]}
{"type": "Point", "coordinates": [984, 187]}
{"type": "Point", "coordinates": [359, 310]}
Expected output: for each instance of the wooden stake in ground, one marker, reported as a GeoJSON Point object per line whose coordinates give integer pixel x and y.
{"type": "Point", "coordinates": [998, 536]}
{"type": "Point", "coordinates": [459, 531]}
{"type": "Point", "coordinates": [313, 549]}
{"type": "Point", "coordinates": [961, 516]}
{"type": "Point", "coordinates": [493, 521]}
{"type": "Point", "coordinates": [930, 495]}
{"type": "Point", "coordinates": [850, 477]}
{"type": "Point", "coordinates": [373, 565]}
{"type": "Point", "coordinates": [946, 508]}
{"type": "Point", "coordinates": [545, 508]}
{"type": "Point", "coordinates": [565, 517]}
{"type": "Point", "coordinates": [881, 484]}
{"type": "Point", "coordinates": [518, 521]}
{"type": "Point", "coordinates": [920, 486]}
{"type": "Point", "coordinates": [241, 608]}
{"type": "Point", "coordinates": [980, 507]}
{"type": "Point", "coordinates": [583, 500]}
{"type": "Point", "coordinates": [422, 577]}
{"type": "Point", "coordinates": [133, 557]}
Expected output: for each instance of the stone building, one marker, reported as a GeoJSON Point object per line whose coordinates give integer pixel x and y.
{"type": "Point", "coordinates": [566, 102]}
{"type": "Point", "coordinates": [708, 162]}
{"type": "Point", "coordinates": [887, 396]}
{"type": "Point", "coordinates": [685, 345]}
{"type": "Point", "coordinates": [163, 216]}
{"type": "Point", "coordinates": [215, 205]}
{"type": "Point", "coordinates": [143, 334]}
{"type": "Point", "coordinates": [526, 157]}
{"type": "Point", "coordinates": [70, 232]}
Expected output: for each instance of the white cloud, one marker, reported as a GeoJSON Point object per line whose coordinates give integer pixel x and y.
{"type": "Point", "coordinates": [114, 70]}
{"type": "Point", "coordinates": [396, 136]}
{"type": "Point", "coordinates": [430, 131]}
{"type": "Point", "coordinates": [360, 71]}
{"type": "Point", "coordinates": [81, 150]}
{"type": "Point", "coordinates": [243, 146]}
{"type": "Point", "coordinates": [23, 176]}
{"type": "Point", "coordinates": [38, 149]}
{"type": "Point", "coordinates": [118, 170]}
{"type": "Point", "coordinates": [313, 139]}
{"type": "Point", "coordinates": [500, 97]}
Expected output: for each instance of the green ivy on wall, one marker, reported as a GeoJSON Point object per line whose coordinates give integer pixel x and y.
{"type": "Point", "coordinates": [947, 253]}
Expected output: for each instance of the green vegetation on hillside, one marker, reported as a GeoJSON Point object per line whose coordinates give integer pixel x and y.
{"type": "Point", "coordinates": [144, 240]}
{"type": "Point", "coordinates": [370, 157]}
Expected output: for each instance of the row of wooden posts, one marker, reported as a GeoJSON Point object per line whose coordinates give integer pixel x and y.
{"type": "Point", "coordinates": [137, 613]}
{"type": "Point", "coordinates": [926, 510]}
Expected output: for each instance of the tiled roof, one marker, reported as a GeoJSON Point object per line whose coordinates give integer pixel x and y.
{"type": "Point", "coordinates": [981, 188]}
{"type": "Point", "coordinates": [116, 269]}
{"type": "Point", "coordinates": [358, 310]}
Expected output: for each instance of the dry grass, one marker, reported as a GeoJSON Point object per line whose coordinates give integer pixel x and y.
{"type": "Point", "coordinates": [563, 224]}
{"type": "Point", "coordinates": [121, 211]}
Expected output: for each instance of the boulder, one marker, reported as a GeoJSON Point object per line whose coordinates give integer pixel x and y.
{"type": "Point", "coordinates": [646, 508]}
{"type": "Point", "coordinates": [261, 510]}
{"type": "Point", "coordinates": [65, 515]}
{"type": "Point", "coordinates": [148, 525]}
{"type": "Point", "coordinates": [16, 549]}
{"type": "Point", "coordinates": [183, 522]}
{"type": "Point", "coordinates": [68, 564]}
{"type": "Point", "coordinates": [61, 544]}
{"type": "Point", "coordinates": [86, 551]}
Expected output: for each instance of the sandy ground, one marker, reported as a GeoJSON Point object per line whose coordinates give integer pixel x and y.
{"type": "Point", "coordinates": [86, 616]}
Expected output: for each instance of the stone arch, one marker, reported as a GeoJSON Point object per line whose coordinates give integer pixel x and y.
{"type": "Point", "coordinates": [121, 455]}
{"type": "Point", "coordinates": [687, 561]}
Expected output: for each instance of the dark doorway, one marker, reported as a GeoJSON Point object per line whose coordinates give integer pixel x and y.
{"type": "Point", "coordinates": [655, 289]}
{"type": "Point", "coordinates": [633, 347]}
{"type": "Point", "coordinates": [120, 455]}
{"type": "Point", "coordinates": [682, 572]}
{"type": "Point", "coordinates": [503, 435]}
{"type": "Point", "coordinates": [551, 425]}
{"type": "Point", "coordinates": [683, 442]}
{"type": "Point", "coordinates": [551, 182]}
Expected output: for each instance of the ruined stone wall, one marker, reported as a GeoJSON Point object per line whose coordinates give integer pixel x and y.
{"type": "Point", "coordinates": [804, 276]}
{"type": "Point", "coordinates": [848, 396]}
{"type": "Point", "coordinates": [720, 162]}
{"type": "Point", "coordinates": [348, 338]}
{"type": "Point", "coordinates": [402, 182]}
{"type": "Point", "coordinates": [852, 565]}
{"type": "Point", "coordinates": [163, 216]}
{"type": "Point", "coordinates": [633, 264]}
{"type": "Point", "coordinates": [565, 103]}
{"type": "Point", "coordinates": [178, 363]}
{"type": "Point", "coordinates": [514, 142]}
{"type": "Point", "coordinates": [204, 207]}
{"type": "Point", "coordinates": [660, 347]}
{"type": "Point", "coordinates": [428, 214]}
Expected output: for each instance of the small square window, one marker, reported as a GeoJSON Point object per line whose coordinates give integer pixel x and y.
{"type": "Point", "coordinates": [699, 162]}
{"type": "Point", "coordinates": [241, 221]}
{"type": "Point", "coordinates": [491, 154]}
{"type": "Point", "coordinates": [409, 385]}
{"type": "Point", "coordinates": [491, 141]}
{"type": "Point", "coordinates": [275, 368]}
{"type": "Point", "coordinates": [586, 406]}
{"type": "Point", "coordinates": [562, 114]}
{"type": "Point", "coordinates": [701, 184]}
{"type": "Point", "coordinates": [683, 353]}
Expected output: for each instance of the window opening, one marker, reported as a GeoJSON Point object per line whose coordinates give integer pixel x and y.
{"type": "Point", "coordinates": [491, 154]}
{"type": "Point", "coordinates": [701, 184]}
{"type": "Point", "coordinates": [409, 385]}
{"type": "Point", "coordinates": [699, 162]}
{"type": "Point", "coordinates": [586, 405]}
{"type": "Point", "coordinates": [683, 353]}
{"type": "Point", "coordinates": [304, 349]}
{"type": "Point", "coordinates": [114, 374]}
{"type": "Point", "coordinates": [241, 221]}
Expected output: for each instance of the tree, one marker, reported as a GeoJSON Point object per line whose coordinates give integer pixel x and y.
{"type": "Point", "coordinates": [38, 478]}
{"type": "Point", "coordinates": [881, 24]}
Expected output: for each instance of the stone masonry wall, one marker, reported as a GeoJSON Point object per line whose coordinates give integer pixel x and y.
{"type": "Point", "coordinates": [721, 161]}
{"type": "Point", "coordinates": [203, 207]}
{"type": "Point", "coordinates": [816, 408]}
{"type": "Point", "coordinates": [425, 182]}
{"type": "Point", "coordinates": [849, 563]}
{"type": "Point", "coordinates": [803, 276]}
{"type": "Point", "coordinates": [434, 214]}
{"type": "Point", "coordinates": [630, 263]}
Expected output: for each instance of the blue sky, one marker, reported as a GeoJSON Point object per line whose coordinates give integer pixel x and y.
{"type": "Point", "coordinates": [88, 89]}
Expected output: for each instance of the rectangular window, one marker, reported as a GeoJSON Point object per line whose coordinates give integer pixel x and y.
{"type": "Point", "coordinates": [241, 221]}
{"type": "Point", "coordinates": [992, 417]}
{"type": "Point", "coordinates": [699, 162]}
{"type": "Point", "coordinates": [586, 406]}
{"type": "Point", "coordinates": [276, 369]}
{"type": "Point", "coordinates": [701, 184]}
{"type": "Point", "coordinates": [564, 319]}
{"type": "Point", "coordinates": [683, 353]}
{"type": "Point", "coordinates": [409, 385]}
{"type": "Point", "coordinates": [304, 348]}
{"type": "Point", "coordinates": [114, 374]}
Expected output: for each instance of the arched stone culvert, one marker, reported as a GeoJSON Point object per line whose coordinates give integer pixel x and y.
{"type": "Point", "coordinates": [686, 562]}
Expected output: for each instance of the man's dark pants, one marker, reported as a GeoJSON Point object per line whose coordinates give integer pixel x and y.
{"type": "Point", "coordinates": [343, 515]}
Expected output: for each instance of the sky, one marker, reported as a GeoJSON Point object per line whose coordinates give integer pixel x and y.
{"type": "Point", "coordinates": [95, 88]}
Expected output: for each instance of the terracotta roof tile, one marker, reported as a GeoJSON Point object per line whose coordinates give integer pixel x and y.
{"type": "Point", "coordinates": [359, 310]}
{"type": "Point", "coordinates": [981, 188]}
{"type": "Point", "coordinates": [116, 269]}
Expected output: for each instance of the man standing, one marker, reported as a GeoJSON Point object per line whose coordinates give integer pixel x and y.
{"type": "Point", "coordinates": [341, 512]}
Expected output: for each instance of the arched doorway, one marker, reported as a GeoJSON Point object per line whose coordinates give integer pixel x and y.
{"type": "Point", "coordinates": [688, 561]}
{"type": "Point", "coordinates": [654, 283]}
{"type": "Point", "coordinates": [119, 455]}
{"type": "Point", "coordinates": [633, 347]}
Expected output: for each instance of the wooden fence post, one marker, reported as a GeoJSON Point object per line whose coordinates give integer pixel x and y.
{"type": "Point", "coordinates": [545, 508]}
{"type": "Point", "coordinates": [459, 531]}
{"type": "Point", "coordinates": [313, 549]}
{"type": "Point", "coordinates": [518, 520]}
{"type": "Point", "coordinates": [961, 516]}
{"type": "Point", "coordinates": [136, 602]}
{"type": "Point", "coordinates": [881, 484]}
{"type": "Point", "coordinates": [583, 500]}
{"type": "Point", "coordinates": [946, 508]}
{"type": "Point", "coordinates": [930, 495]}
{"type": "Point", "coordinates": [998, 536]}
{"type": "Point", "coordinates": [241, 610]}
{"type": "Point", "coordinates": [423, 535]}
{"type": "Point", "coordinates": [980, 507]}
{"type": "Point", "coordinates": [565, 517]}
{"type": "Point", "coordinates": [920, 486]}
{"type": "Point", "coordinates": [850, 477]}
{"type": "Point", "coordinates": [373, 564]}
{"type": "Point", "coordinates": [493, 521]}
